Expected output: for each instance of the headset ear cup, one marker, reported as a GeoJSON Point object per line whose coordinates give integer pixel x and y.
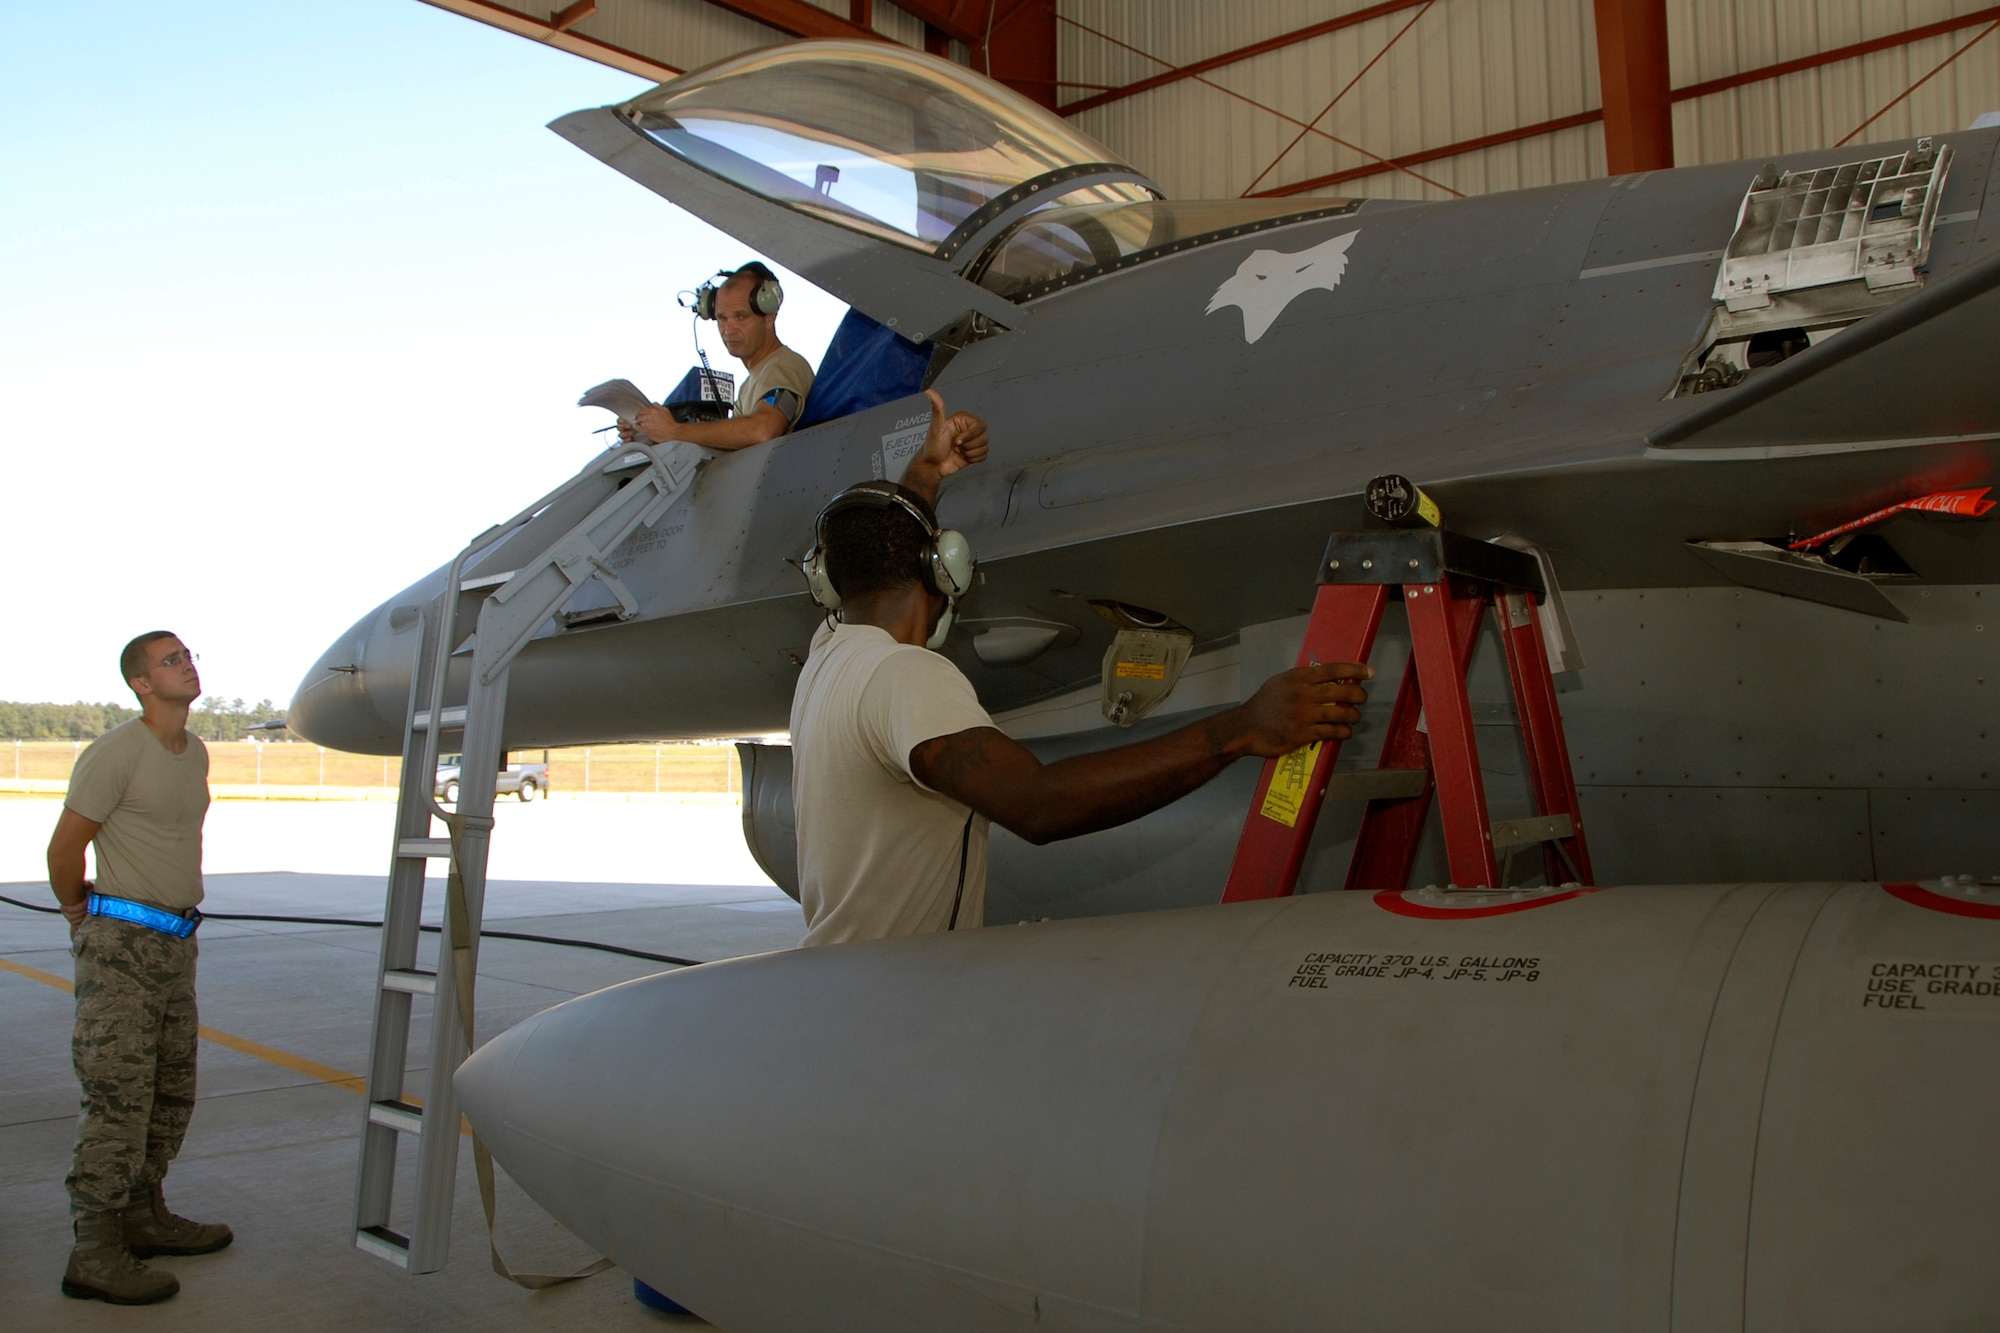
{"type": "Point", "coordinates": [770, 296]}
{"type": "Point", "coordinates": [952, 563]}
{"type": "Point", "coordinates": [817, 582]}
{"type": "Point", "coordinates": [704, 302]}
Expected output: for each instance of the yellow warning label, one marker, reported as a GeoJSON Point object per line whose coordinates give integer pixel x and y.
{"type": "Point", "coordinates": [1143, 670]}
{"type": "Point", "coordinates": [1289, 780]}
{"type": "Point", "coordinates": [1427, 510]}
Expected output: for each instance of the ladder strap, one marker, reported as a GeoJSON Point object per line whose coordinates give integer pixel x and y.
{"type": "Point", "coordinates": [460, 918]}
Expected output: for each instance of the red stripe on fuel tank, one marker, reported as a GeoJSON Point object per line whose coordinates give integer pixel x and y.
{"type": "Point", "coordinates": [1918, 896]}
{"type": "Point", "coordinates": [1392, 900]}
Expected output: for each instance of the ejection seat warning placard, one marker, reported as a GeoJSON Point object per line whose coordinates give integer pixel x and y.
{"type": "Point", "coordinates": [1930, 989]}
{"type": "Point", "coordinates": [900, 445]}
{"type": "Point", "coordinates": [1289, 780]}
{"type": "Point", "coordinates": [1315, 970]}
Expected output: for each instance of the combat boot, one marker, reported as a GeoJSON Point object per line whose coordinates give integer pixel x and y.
{"type": "Point", "coordinates": [102, 1269]}
{"type": "Point", "coordinates": [151, 1229]}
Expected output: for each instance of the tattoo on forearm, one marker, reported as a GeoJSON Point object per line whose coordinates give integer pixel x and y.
{"type": "Point", "coordinates": [950, 762]}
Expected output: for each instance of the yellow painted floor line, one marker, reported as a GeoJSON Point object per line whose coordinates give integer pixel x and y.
{"type": "Point", "coordinates": [298, 1064]}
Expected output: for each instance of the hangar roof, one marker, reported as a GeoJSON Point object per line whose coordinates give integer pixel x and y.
{"type": "Point", "coordinates": [1400, 98]}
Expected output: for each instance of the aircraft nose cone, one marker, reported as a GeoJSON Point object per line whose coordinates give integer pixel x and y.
{"type": "Point", "coordinates": [353, 697]}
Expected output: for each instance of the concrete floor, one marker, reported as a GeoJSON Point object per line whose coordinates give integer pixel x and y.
{"type": "Point", "coordinates": [273, 1143]}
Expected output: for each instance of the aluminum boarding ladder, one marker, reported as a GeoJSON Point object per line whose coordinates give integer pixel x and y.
{"type": "Point", "coordinates": [1446, 582]}
{"type": "Point", "coordinates": [513, 578]}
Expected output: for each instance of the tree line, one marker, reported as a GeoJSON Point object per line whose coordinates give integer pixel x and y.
{"type": "Point", "coordinates": [212, 720]}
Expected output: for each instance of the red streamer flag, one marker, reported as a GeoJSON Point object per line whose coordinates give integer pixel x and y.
{"type": "Point", "coordinates": [1965, 504]}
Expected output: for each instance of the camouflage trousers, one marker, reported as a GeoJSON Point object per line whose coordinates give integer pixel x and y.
{"type": "Point", "coordinates": [134, 1050]}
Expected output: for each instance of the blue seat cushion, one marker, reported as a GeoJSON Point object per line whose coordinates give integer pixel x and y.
{"type": "Point", "coordinates": [867, 364]}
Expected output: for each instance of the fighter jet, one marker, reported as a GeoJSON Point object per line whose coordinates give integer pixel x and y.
{"type": "Point", "coordinates": [1560, 1108]}
{"type": "Point", "coordinates": [1658, 381]}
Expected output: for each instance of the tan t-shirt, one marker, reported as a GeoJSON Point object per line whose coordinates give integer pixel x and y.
{"type": "Point", "coordinates": [784, 378]}
{"type": "Point", "coordinates": [878, 850]}
{"type": "Point", "coordinates": [151, 803]}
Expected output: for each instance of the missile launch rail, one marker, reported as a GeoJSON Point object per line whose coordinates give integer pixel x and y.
{"type": "Point", "coordinates": [1446, 582]}
{"type": "Point", "coordinates": [511, 580]}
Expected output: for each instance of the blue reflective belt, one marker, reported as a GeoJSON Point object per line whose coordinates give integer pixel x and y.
{"type": "Point", "coordinates": [143, 914]}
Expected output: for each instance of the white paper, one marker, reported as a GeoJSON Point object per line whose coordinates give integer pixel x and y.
{"type": "Point", "coordinates": [619, 396]}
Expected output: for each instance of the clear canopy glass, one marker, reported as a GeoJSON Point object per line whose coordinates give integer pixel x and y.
{"type": "Point", "coordinates": [868, 134]}
{"type": "Point", "coordinates": [1074, 239]}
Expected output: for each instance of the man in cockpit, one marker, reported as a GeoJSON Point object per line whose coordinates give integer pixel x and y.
{"type": "Point", "coordinates": [745, 310]}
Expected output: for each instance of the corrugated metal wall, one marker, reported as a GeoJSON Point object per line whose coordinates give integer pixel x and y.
{"type": "Point", "coordinates": [1453, 70]}
{"type": "Point", "coordinates": [1709, 39]}
{"type": "Point", "coordinates": [1457, 70]}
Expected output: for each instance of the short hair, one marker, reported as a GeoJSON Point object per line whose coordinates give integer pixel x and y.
{"type": "Point", "coordinates": [756, 275]}
{"type": "Point", "coordinates": [877, 548]}
{"type": "Point", "coordinates": [132, 661]}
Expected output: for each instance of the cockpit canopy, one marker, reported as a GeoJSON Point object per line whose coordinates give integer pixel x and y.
{"type": "Point", "coordinates": [875, 137]}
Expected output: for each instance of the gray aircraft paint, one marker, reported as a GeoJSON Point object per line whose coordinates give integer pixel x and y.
{"type": "Point", "coordinates": [1515, 354]}
{"type": "Point", "coordinates": [1747, 1107]}
{"type": "Point", "coordinates": [1709, 1107]}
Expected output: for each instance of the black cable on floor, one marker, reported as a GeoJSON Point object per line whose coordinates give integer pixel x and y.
{"type": "Point", "coordinates": [377, 925]}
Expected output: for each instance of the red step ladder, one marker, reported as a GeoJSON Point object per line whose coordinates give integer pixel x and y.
{"type": "Point", "coordinates": [1446, 582]}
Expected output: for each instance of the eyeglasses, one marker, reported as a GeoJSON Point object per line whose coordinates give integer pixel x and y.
{"type": "Point", "coordinates": [175, 661]}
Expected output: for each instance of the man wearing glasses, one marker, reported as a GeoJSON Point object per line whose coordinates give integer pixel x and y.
{"type": "Point", "coordinates": [140, 793]}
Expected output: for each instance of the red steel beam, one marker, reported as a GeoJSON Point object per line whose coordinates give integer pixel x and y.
{"type": "Point", "coordinates": [797, 18]}
{"type": "Point", "coordinates": [1175, 73]}
{"type": "Point", "coordinates": [1013, 41]}
{"type": "Point", "coordinates": [1839, 53]}
{"type": "Point", "coordinates": [1707, 88]}
{"type": "Point", "coordinates": [537, 27]}
{"type": "Point", "coordinates": [570, 15]}
{"type": "Point", "coordinates": [1430, 155]}
{"type": "Point", "coordinates": [1019, 49]}
{"type": "Point", "coordinates": [1638, 98]}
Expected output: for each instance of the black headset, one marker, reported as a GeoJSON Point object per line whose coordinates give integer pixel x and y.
{"type": "Point", "coordinates": [765, 300]}
{"type": "Point", "coordinates": [948, 558]}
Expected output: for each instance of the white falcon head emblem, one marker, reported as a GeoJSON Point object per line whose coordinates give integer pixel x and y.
{"type": "Point", "coordinates": [1267, 282]}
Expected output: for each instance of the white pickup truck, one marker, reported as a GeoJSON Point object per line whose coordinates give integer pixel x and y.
{"type": "Point", "coordinates": [524, 782]}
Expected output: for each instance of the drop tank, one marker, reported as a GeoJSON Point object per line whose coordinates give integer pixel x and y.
{"type": "Point", "coordinates": [1746, 1107]}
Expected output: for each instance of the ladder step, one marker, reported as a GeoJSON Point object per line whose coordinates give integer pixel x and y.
{"type": "Point", "coordinates": [487, 581]}
{"type": "Point", "coordinates": [384, 1244]}
{"type": "Point", "coordinates": [398, 1115]}
{"type": "Point", "coordinates": [410, 981]}
{"type": "Point", "coordinates": [1537, 828]}
{"type": "Point", "coordinates": [424, 848]}
{"type": "Point", "coordinates": [1377, 784]}
{"type": "Point", "coordinates": [453, 717]}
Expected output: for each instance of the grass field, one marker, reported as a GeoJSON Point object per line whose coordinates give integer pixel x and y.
{"type": "Point", "coordinates": [673, 767]}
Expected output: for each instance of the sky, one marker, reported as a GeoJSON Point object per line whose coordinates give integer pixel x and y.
{"type": "Point", "coordinates": [294, 301]}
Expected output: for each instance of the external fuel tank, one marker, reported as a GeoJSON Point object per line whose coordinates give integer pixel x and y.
{"type": "Point", "coordinates": [1753, 1107]}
